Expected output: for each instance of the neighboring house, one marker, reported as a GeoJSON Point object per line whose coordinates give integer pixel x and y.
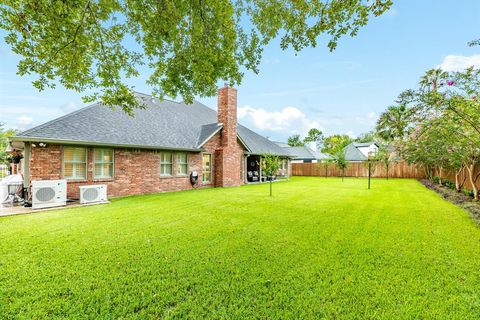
{"type": "Point", "coordinates": [359, 151]}
{"type": "Point", "coordinates": [303, 154]}
{"type": "Point", "coordinates": [154, 151]}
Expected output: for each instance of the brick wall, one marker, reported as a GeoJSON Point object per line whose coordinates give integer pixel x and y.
{"type": "Point", "coordinates": [136, 171]}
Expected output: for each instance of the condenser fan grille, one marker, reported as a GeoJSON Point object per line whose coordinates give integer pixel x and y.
{"type": "Point", "coordinates": [45, 194]}
{"type": "Point", "coordinates": [90, 194]}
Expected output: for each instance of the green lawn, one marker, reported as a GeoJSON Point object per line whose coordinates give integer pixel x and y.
{"type": "Point", "coordinates": [318, 248]}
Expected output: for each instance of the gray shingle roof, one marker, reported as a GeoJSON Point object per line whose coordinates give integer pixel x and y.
{"type": "Point", "coordinates": [303, 152]}
{"type": "Point", "coordinates": [207, 131]}
{"type": "Point", "coordinates": [353, 154]}
{"type": "Point", "coordinates": [258, 144]}
{"type": "Point", "coordinates": [161, 125]}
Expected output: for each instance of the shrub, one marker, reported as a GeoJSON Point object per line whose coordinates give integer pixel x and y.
{"type": "Point", "coordinates": [449, 184]}
{"type": "Point", "coordinates": [468, 192]}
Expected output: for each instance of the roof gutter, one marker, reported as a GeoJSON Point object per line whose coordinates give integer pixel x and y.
{"type": "Point", "coordinates": [101, 144]}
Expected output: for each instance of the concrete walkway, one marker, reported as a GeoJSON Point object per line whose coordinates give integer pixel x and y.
{"type": "Point", "coordinates": [18, 208]}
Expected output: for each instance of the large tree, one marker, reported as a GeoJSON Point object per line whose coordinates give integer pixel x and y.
{"type": "Point", "coordinates": [393, 123]}
{"type": "Point", "coordinates": [314, 135]}
{"type": "Point", "coordinates": [334, 144]}
{"type": "Point", "coordinates": [295, 141]}
{"type": "Point", "coordinates": [446, 121]}
{"type": "Point", "coordinates": [188, 46]}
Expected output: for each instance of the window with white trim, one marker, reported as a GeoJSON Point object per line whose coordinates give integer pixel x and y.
{"type": "Point", "coordinates": [166, 164]}
{"type": "Point", "coordinates": [103, 163]}
{"type": "Point", "coordinates": [75, 163]}
{"type": "Point", "coordinates": [207, 167]}
{"type": "Point", "coordinates": [182, 164]}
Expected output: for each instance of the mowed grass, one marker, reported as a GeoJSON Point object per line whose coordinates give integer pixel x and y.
{"type": "Point", "coordinates": [319, 248]}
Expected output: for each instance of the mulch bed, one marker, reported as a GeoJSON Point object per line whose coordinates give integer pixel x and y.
{"type": "Point", "coordinates": [457, 198]}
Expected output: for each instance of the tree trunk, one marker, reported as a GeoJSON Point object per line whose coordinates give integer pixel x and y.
{"type": "Point", "coordinates": [369, 173]}
{"type": "Point", "coordinates": [387, 170]}
{"type": "Point", "coordinates": [270, 186]}
{"type": "Point", "coordinates": [457, 181]}
{"type": "Point", "coordinates": [429, 173]}
{"type": "Point", "coordinates": [458, 184]}
{"type": "Point", "coordinates": [472, 179]}
{"type": "Point", "coordinates": [439, 172]}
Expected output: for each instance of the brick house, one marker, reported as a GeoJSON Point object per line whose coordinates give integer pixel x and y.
{"type": "Point", "coordinates": [156, 150]}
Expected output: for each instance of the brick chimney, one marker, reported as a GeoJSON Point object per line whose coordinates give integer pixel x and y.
{"type": "Point", "coordinates": [229, 155]}
{"type": "Point", "coordinates": [227, 114]}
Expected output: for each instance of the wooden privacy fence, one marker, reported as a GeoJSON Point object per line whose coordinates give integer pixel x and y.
{"type": "Point", "coordinates": [359, 169]}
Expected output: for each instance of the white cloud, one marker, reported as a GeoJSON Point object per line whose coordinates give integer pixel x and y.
{"type": "Point", "coordinates": [289, 120]}
{"type": "Point", "coordinates": [368, 120]}
{"type": "Point", "coordinates": [24, 120]}
{"type": "Point", "coordinates": [459, 63]}
{"type": "Point", "coordinates": [350, 134]}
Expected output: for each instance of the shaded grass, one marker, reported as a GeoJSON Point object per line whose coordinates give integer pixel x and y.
{"type": "Point", "coordinates": [318, 248]}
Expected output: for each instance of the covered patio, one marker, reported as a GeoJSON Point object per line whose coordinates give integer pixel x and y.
{"type": "Point", "coordinates": [253, 169]}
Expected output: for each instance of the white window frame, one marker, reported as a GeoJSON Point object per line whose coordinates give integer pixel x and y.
{"type": "Point", "coordinates": [162, 164]}
{"type": "Point", "coordinates": [103, 176]}
{"type": "Point", "coordinates": [181, 164]}
{"type": "Point", "coordinates": [75, 164]}
{"type": "Point", "coordinates": [210, 168]}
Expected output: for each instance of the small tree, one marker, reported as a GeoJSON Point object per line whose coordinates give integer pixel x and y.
{"type": "Point", "coordinates": [324, 164]}
{"type": "Point", "coordinates": [373, 157]}
{"type": "Point", "coordinates": [341, 162]}
{"type": "Point", "coordinates": [384, 155]}
{"type": "Point", "coordinates": [270, 165]}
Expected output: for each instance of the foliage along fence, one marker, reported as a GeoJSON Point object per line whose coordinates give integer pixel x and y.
{"type": "Point", "coordinates": [463, 177]}
{"type": "Point", "coordinates": [359, 169]}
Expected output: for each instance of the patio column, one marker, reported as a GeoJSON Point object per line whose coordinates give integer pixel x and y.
{"type": "Point", "coordinates": [260, 168]}
{"type": "Point", "coordinates": [26, 165]}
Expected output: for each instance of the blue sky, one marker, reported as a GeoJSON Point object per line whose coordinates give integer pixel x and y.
{"type": "Point", "coordinates": [342, 91]}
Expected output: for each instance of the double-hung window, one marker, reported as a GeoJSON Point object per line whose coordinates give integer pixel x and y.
{"type": "Point", "coordinates": [182, 164]}
{"type": "Point", "coordinates": [75, 163]}
{"type": "Point", "coordinates": [103, 163]}
{"type": "Point", "coordinates": [207, 167]}
{"type": "Point", "coordinates": [166, 164]}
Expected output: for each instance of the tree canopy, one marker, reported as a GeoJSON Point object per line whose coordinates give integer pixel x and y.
{"type": "Point", "coordinates": [4, 134]}
{"type": "Point", "coordinates": [313, 135]}
{"type": "Point", "coordinates": [93, 46]}
{"type": "Point", "coordinates": [295, 141]}
{"type": "Point", "coordinates": [334, 144]}
{"type": "Point", "coordinates": [444, 122]}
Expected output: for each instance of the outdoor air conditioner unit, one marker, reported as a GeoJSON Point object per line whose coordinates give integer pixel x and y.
{"type": "Point", "coordinates": [49, 193]}
{"type": "Point", "coordinates": [94, 193]}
